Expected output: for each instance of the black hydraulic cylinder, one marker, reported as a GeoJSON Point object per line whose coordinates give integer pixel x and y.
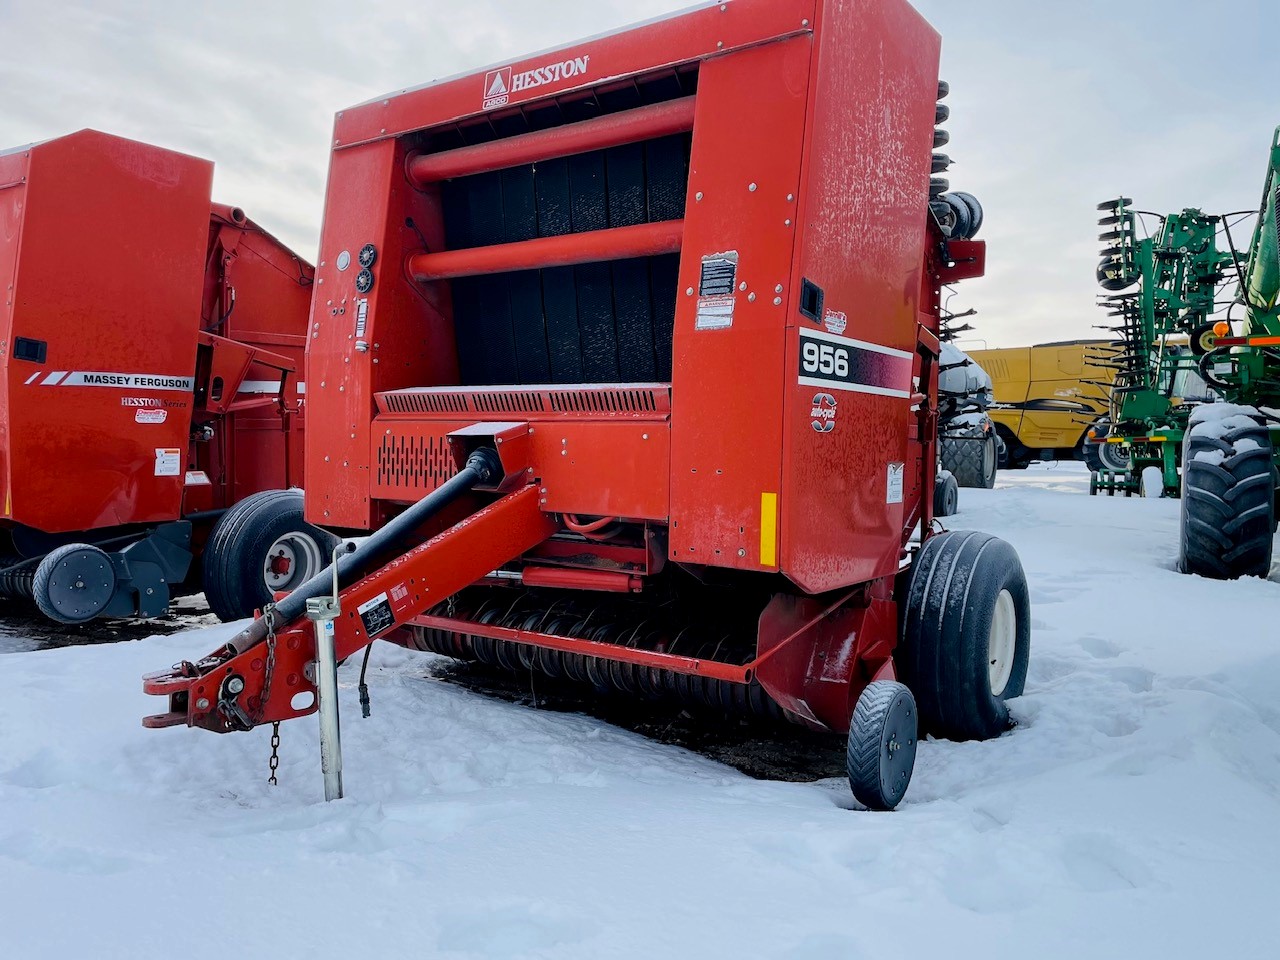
{"type": "Point", "coordinates": [483, 466]}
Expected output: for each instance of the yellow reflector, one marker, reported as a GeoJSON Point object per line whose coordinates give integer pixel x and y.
{"type": "Point", "coordinates": [1221, 328]}
{"type": "Point", "coordinates": [768, 529]}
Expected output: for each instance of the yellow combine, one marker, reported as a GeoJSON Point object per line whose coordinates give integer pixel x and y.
{"type": "Point", "coordinates": [1049, 397]}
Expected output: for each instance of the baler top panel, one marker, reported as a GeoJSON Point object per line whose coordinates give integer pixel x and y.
{"type": "Point", "coordinates": [74, 326]}
{"type": "Point", "coordinates": [730, 203]}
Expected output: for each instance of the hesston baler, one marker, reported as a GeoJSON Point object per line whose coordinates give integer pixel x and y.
{"type": "Point", "coordinates": [150, 402]}
{"type": "Point", "coordinates": [627, 354]}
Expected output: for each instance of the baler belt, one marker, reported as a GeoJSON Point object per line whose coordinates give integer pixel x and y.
{"type": "Point", "coordinates": [591, 323]}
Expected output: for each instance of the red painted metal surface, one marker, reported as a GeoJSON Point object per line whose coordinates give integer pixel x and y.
{"type": "Point", "coordinates": [187, 320]}
{"type": "Point", "coordinates": [861, 229]}
{"type": "Point", "coordinates": [619, 243]}
{"type": "Point", "coordinates": [643, 123]}
{"type": "Point", "coordinates": [608, 581]}
{"type": "Point", "coordinates": [611, 61]}
{"type": "Point", "coordinates": [424, 576]}
{"type": "Point", "coordinates": [78, 453]}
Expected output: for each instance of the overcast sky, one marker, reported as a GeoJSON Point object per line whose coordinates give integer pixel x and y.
{"type": "Point", "coordinates": [1056, 104]}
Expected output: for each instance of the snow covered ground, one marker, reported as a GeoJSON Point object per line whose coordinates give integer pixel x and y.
{"type": "Point", "coordinates": [1134, 812]}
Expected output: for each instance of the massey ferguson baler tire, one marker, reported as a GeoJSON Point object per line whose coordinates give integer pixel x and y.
{"type": "Point", "coordinates": [260, 546]}
{"type": "Point", "coordinates": [1228, 503]}
{"type": "Point", "coordinates": [972, 460]}
{"type": "Point", "coordinates": [74, 583]}
{"type": "Point", "coordinates": [966, 634]}
{"type": "Point", "coordinates": [946, 495]}
{"type": "Point", "coordinates": [881, 750]}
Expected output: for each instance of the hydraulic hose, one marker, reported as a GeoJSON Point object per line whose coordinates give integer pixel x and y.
{"type": "Point", "coordinates": [482, 467]}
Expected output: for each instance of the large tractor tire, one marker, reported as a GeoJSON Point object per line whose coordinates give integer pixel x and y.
{"type": "Point", "coordinates": [259, 547]}
{"type": "Point", "coordinates": [966, 634]}
{"type": "Point", "coordinates": [1228, 500]}
{"type": "Point", "coordinates": [971, 460]}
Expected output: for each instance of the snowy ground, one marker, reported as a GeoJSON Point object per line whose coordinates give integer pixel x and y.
{"type": "Point", "coordinates": [1134, 812]}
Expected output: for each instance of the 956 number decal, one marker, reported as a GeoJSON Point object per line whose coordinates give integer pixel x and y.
{"type": "Point", "coordinates": [823, 359]}
{"type": "Point", "coordinates": [842, 363]}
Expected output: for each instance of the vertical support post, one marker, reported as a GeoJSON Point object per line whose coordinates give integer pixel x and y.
{"type": "Point", "coordinates": [322, 612]}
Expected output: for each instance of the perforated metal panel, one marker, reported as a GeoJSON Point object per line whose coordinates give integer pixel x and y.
{"type": "Point", "coordinates": [413, 462]}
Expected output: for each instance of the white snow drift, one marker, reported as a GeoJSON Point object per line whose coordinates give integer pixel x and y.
{"type": "Point", "coordinates": [1134, 812]}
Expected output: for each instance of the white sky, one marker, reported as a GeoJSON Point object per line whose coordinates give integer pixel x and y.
{"type": "Point", "coordinates": [1056, 104]}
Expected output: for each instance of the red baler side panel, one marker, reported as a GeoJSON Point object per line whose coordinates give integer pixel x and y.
{"type": "Point", "coordinates": [407, 336]}
{"type": "Point", "coordinates": [727, 379]}
{"type": "Point", "coordinates": [79, 456]}
{"type": "Point", "coordinates": [862, 240]}
{"type": "Point", "coordinates": [272, 288]}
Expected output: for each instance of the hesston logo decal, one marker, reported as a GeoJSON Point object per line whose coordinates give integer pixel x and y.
{"type": "Point", "coordinates": [500, 84]}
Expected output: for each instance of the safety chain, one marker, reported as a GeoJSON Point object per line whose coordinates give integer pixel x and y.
{"type": "Point", "coordinates": [274, 762]}
{"type": "Point", "coordinates": [269, 615]}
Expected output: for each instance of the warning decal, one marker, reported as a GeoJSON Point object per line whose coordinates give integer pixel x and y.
{"type": "Point", "coordinates": [376, 614]}
{"type": "Point", "coordinates": [168, 462]}
{"type": "Point", "coordinates": [896, 473]}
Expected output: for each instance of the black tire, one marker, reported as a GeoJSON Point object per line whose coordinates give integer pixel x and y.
{"type": "Point", "coordinates": [1100, 455]}
{"type": "Point", "coordinates": [971, 459]}
{"type": "Point", "coordinates": [963, 227]}
{"type": "Point", "coordinates": [946, 495]}
{"type": "Point", "coordinates": [1228, 507]}
{"type": "Point", "coordinates": [965, 599]}
{"type": "Point", "coordinates": [1093, 483]}
{"type": "Point", "coordinates": [1203, 340]}
{"type": "Point", "coordinates": [74, 583]}
{"type": "Point", "coordinates": [881, 750]}
{"type": "Point", "coordinates": [235, 559]}
{"type": "Point", "coordinates": [975, 211]}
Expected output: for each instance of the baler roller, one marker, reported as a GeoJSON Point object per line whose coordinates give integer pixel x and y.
{"type": "Point", "coordinates": [612, 130]}
{"type": "Point", "coordinates": [616, 243]}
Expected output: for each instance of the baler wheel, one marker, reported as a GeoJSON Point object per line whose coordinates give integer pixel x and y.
{"type": "Point", "coordinates": [1228, 502]}
{"type": "Point", "coordinates": [881, 750]}
{"type": "Point", "coordinates": [74, 583]}
{"type": "Point", "coordinates": [946, 495]}
{"type": "Point", "coordinates": [966, 634]}
{"type": "Point", "coordinates": [259, 546]}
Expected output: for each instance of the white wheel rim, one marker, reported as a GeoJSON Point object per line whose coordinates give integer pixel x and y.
{"type": "Point", "coordinates": [1002, 643]}
{"type": "Point", "coordinates": [293, 559]}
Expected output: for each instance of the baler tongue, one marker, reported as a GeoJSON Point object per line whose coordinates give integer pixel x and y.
{"type": "Point", "coordinates": [266, 672]}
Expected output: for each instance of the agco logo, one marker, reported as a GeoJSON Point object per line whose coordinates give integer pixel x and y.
{"type": "Point", "coordinates": [823, 413]}
{"type": "Point", "coordinates": [501, 83]}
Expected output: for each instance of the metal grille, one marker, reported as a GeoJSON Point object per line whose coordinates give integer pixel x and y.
{"type": "Point", "coordinates": [642, 400]}
{"type": "Point", "coordinates": [421, 463]}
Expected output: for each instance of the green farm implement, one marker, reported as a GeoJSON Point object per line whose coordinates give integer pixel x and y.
{"type": "Point", "coordinates": [1196, 398]}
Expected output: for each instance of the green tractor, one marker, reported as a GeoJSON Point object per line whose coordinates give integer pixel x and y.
{"type": "Point", "coordinates": [1195, 404]}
